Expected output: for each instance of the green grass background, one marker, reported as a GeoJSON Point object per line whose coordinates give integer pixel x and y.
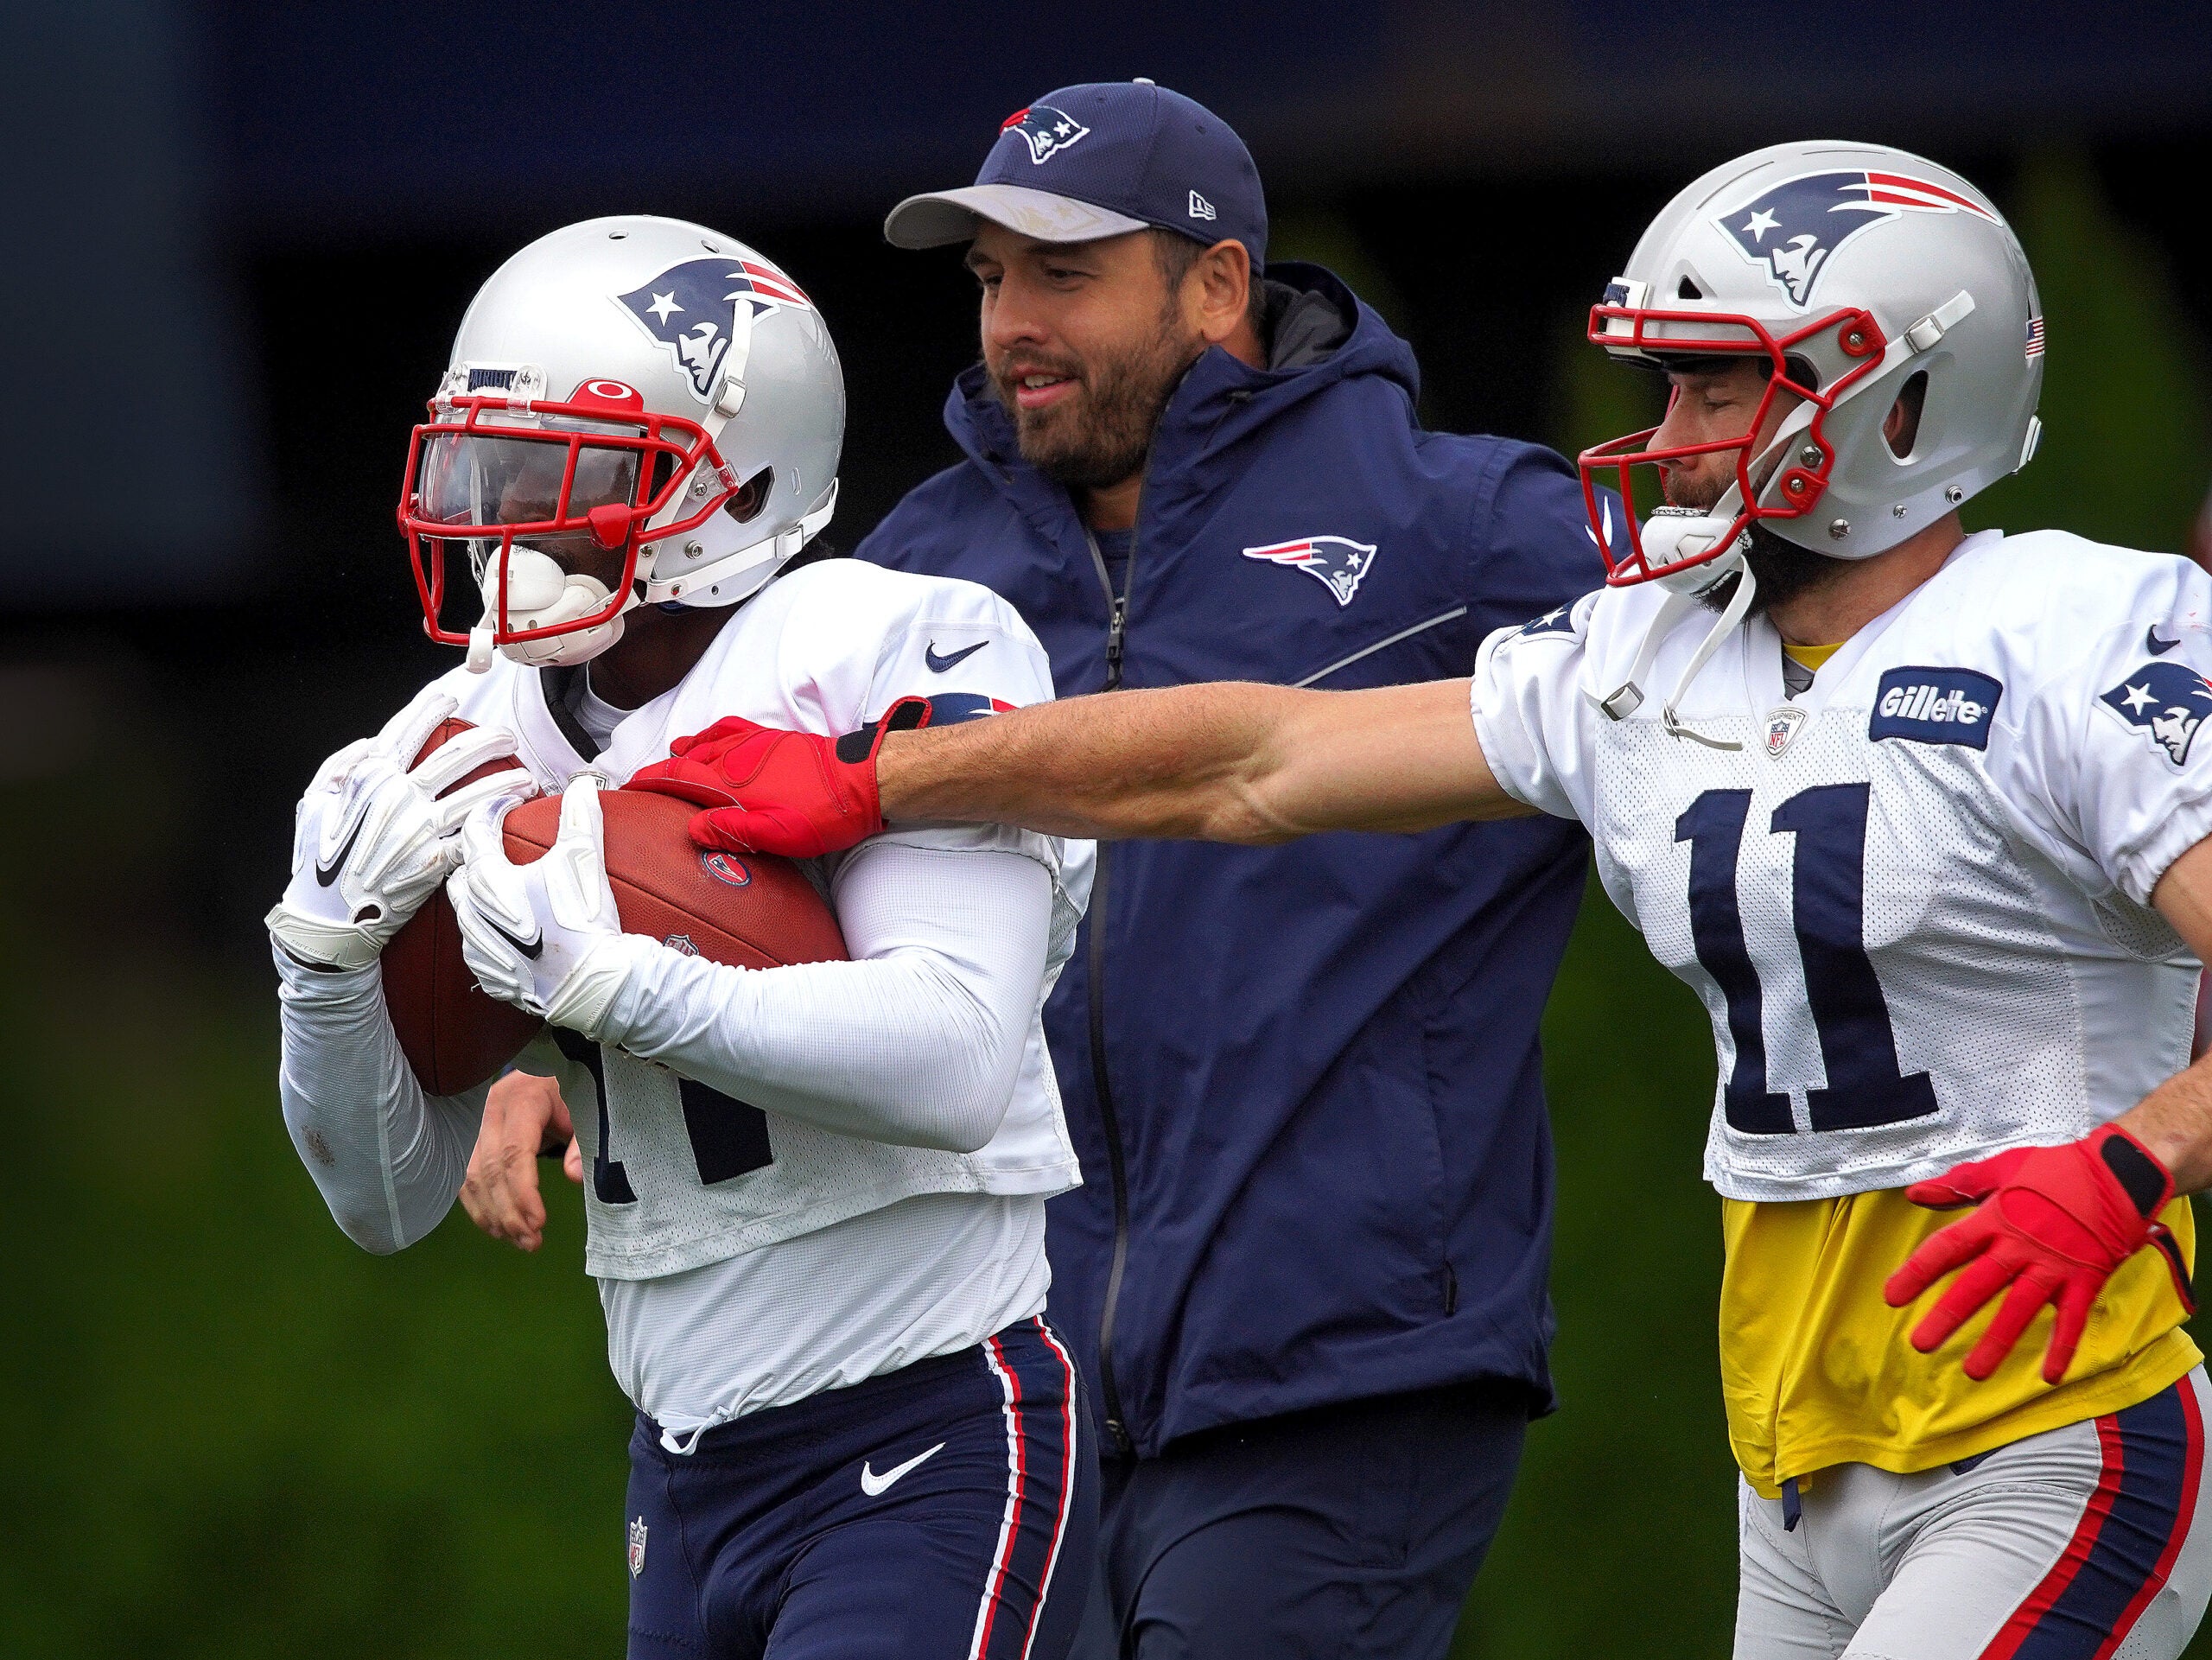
{"type": "Point", "coordinates": [231, 1434]}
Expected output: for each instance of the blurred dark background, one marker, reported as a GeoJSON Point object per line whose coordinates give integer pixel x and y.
{"type": "Point", "coordinates": [242, 236]}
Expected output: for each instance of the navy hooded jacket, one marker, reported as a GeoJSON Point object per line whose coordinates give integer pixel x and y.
{"type": "Point", "coordinates": [1304, 1081]}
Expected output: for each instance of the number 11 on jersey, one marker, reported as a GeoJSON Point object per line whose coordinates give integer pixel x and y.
{"type": "Point", "coordinates": [1859, 1048]}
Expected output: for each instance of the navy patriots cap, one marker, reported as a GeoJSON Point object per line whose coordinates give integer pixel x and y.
{"type": "Point", "coordinates": [1100, 160]}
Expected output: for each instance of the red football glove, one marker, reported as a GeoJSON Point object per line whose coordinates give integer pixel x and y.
{"type": "Point", "coordinates": [2053, 1224]}
{"type": "Point", "coordinates": [769, 790]}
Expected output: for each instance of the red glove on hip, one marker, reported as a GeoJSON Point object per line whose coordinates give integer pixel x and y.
{"type": "Point", "coordinates": [769, 790]}
{"type": "Point", "coordinates": [2053, 1224]}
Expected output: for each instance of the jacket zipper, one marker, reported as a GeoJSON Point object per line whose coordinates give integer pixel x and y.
{"type": "Point", "coordinates": [1118, 611]}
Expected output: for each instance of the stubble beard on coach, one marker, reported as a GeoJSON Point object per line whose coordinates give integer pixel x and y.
{"type": "Point", "coordinates": [1100, 435]}
{"type": "Point", "coordinates": [1783, 570]}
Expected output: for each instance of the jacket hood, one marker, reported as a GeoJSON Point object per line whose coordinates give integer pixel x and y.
{"type": "Point", "coordinates": [1321, 334]}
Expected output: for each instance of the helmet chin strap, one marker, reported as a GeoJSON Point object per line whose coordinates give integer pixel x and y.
{"type": "Point", "coordinates": [1684, 590]}
{"type": "Point", "coordinates": [700, 586]}
{"type": "Point", "coordinates": [540, 594]}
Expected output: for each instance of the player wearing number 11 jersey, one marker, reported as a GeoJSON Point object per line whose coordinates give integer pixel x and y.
{"type": "Point", "coordinates": [1921, 816]}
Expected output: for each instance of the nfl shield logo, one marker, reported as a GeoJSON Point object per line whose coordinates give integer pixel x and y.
{"type": "Point", "coordinates": [1781, 727]}
{"type": "Point", "coordinates": [637, 1546]}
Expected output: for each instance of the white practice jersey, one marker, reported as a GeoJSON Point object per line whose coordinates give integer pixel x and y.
{"type": "Point", "coordinates": [1915, 900]}
{"type": "Point", "coordinates": [731, 1112]}
{"type": "Point", "coordinates": [680, 1175]}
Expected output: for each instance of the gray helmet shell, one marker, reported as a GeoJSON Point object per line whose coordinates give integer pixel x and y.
{"type": "Point", "coordinates": [702, 327]}
{"type": "Point", "coordinates": [1796, 233]}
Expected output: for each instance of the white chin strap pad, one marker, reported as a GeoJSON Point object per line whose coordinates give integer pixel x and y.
{"type": "Point", "coordinates": [1671, 534]}
{"type": "Point", "coordinates": [540, 594]}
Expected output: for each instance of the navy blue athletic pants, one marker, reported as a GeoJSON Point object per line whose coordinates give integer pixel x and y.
{"type": "Point", "coordinates": [1346, 1530]}
{"type": "Point", "coordinates": [944, 1511]}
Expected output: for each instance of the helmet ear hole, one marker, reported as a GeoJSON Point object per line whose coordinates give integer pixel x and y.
{"type": "Point", "coordinates": [1901, 426]}
{"type": "Point", "coordinates": [752, 496]}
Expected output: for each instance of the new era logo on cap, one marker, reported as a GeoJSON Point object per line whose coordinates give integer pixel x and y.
{"type": "Point", "coordinates": [1200, 208]}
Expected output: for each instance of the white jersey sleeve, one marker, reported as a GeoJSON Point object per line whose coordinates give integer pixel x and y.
{"type": "Point", "coordinates": [387, 1158]}
{"type": "Point", "coordinates": [1531, 713]}
{"type": "Point", "coordinates": [2107, 767]}
{"type": "Point", "coordinates": [736, 1108]}
{"type": "Point", "coordinates": [916, 1042]}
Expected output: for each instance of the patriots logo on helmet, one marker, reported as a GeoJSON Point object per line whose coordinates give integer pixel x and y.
{"type": "Point", "coordinates": [2165, 702]}
{"type": "Point", "coordinates": [692, 309]}
{"type": "Point", "coordinates": [1044, 130]}
{"type": "Point", "coordinates": [1793, 227]}
{"type": "Point", "coordinates": [1336, 562]}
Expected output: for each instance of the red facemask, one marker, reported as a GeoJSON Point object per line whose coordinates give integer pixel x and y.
{"type": "Point", "coordinates": [585, 483]}
{"type": "Point", "coordinates": [1857, 338]}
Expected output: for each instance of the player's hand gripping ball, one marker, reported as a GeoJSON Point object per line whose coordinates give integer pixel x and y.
{"type": "Point", "coordinates": [768, 791]}
{"type": "Point", "coordinates": [2052, 1224]}
{"type": "Point", "coordinates": [545, 936]}
{"type": "Point", "coordinates": [372, 838]}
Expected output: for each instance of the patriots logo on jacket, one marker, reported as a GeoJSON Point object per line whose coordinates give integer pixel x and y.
{"type": "Point", "coordinates": [1044, 130]}
{"type": "Point", "coordinates": [2165, 702]}
{"type": "Point", "coordinates": [1796, 225]}
{"type": "Point", "coordinates": [1337, 562]}
{"type": "Point", "coordinates": [692, 309]}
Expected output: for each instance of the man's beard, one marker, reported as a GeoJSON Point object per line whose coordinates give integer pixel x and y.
{"type": "Point", "coordinates": [1099, 436]}
{"type": "Point", "coordinates": [1782, 570]}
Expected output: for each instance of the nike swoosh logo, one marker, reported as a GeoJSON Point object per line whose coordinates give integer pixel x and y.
{"type": "Point", "coordinates": [939, 665]}
{"type": "Point", "coordinates": [873, 1484]}
{"type": "Point", "coordinates": [327, 874]}
{"type": "Point", "coordinates": [2160, 647]}
{"type": "Point", "coordinates": [528, 948]}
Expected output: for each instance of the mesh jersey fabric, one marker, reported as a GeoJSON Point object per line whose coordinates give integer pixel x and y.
{"type": "Point", "coordinates": [1999, 868]}
{"type": "Point", "coordinates": [1999, 897]}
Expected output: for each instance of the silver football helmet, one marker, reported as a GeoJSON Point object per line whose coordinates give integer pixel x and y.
{"type": "Point", "coordinates": [632, 385]}
{"type": "Point", "coordinates": [1852, 269]}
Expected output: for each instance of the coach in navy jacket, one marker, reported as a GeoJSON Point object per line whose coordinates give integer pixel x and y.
{"type": "Point", "coordinates": [1305, 1082]}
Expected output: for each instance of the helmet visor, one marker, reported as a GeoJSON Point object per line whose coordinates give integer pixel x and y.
{"type": "Point", "coordinates": [548, 484]}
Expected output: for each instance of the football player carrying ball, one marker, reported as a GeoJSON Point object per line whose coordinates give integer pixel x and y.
{"type": "Point", "coordinates": [1921, 816]}
{"type": "Point", "coordinates": [816, 1193]}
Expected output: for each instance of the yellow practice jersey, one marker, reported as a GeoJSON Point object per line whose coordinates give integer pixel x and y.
{"type": "Point", "coordinates": [1817, 1369]}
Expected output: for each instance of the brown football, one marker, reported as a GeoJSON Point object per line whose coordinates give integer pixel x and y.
{"type": "Point", "coordinates": [452, 1035]}
{"type": "Point", "coordinates": [752, 910]}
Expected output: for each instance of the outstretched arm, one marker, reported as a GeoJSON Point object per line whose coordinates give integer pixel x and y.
{"type": "Point", "coordinates": [1233, 762]}
{"type": "Point", "coordinates": [1229, 762]}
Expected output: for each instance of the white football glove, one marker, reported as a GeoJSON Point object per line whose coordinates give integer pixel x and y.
{"type": "Point", "coordinates": [545, 936]}
{"type": "Point", "coordinates": [372, 841]}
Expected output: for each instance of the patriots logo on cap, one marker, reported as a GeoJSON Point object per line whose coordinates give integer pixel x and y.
{"type": "Point", "coordinates": [691, 308]}
{"type": "Point", "coordinates": [1793, 227]}
{"type": "Point", "coordinates": [1044, 130]}
{"type": "Point", "coordinates": [2165, 702]}
{"type": "Point", "coordinates": [1336, 562]}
